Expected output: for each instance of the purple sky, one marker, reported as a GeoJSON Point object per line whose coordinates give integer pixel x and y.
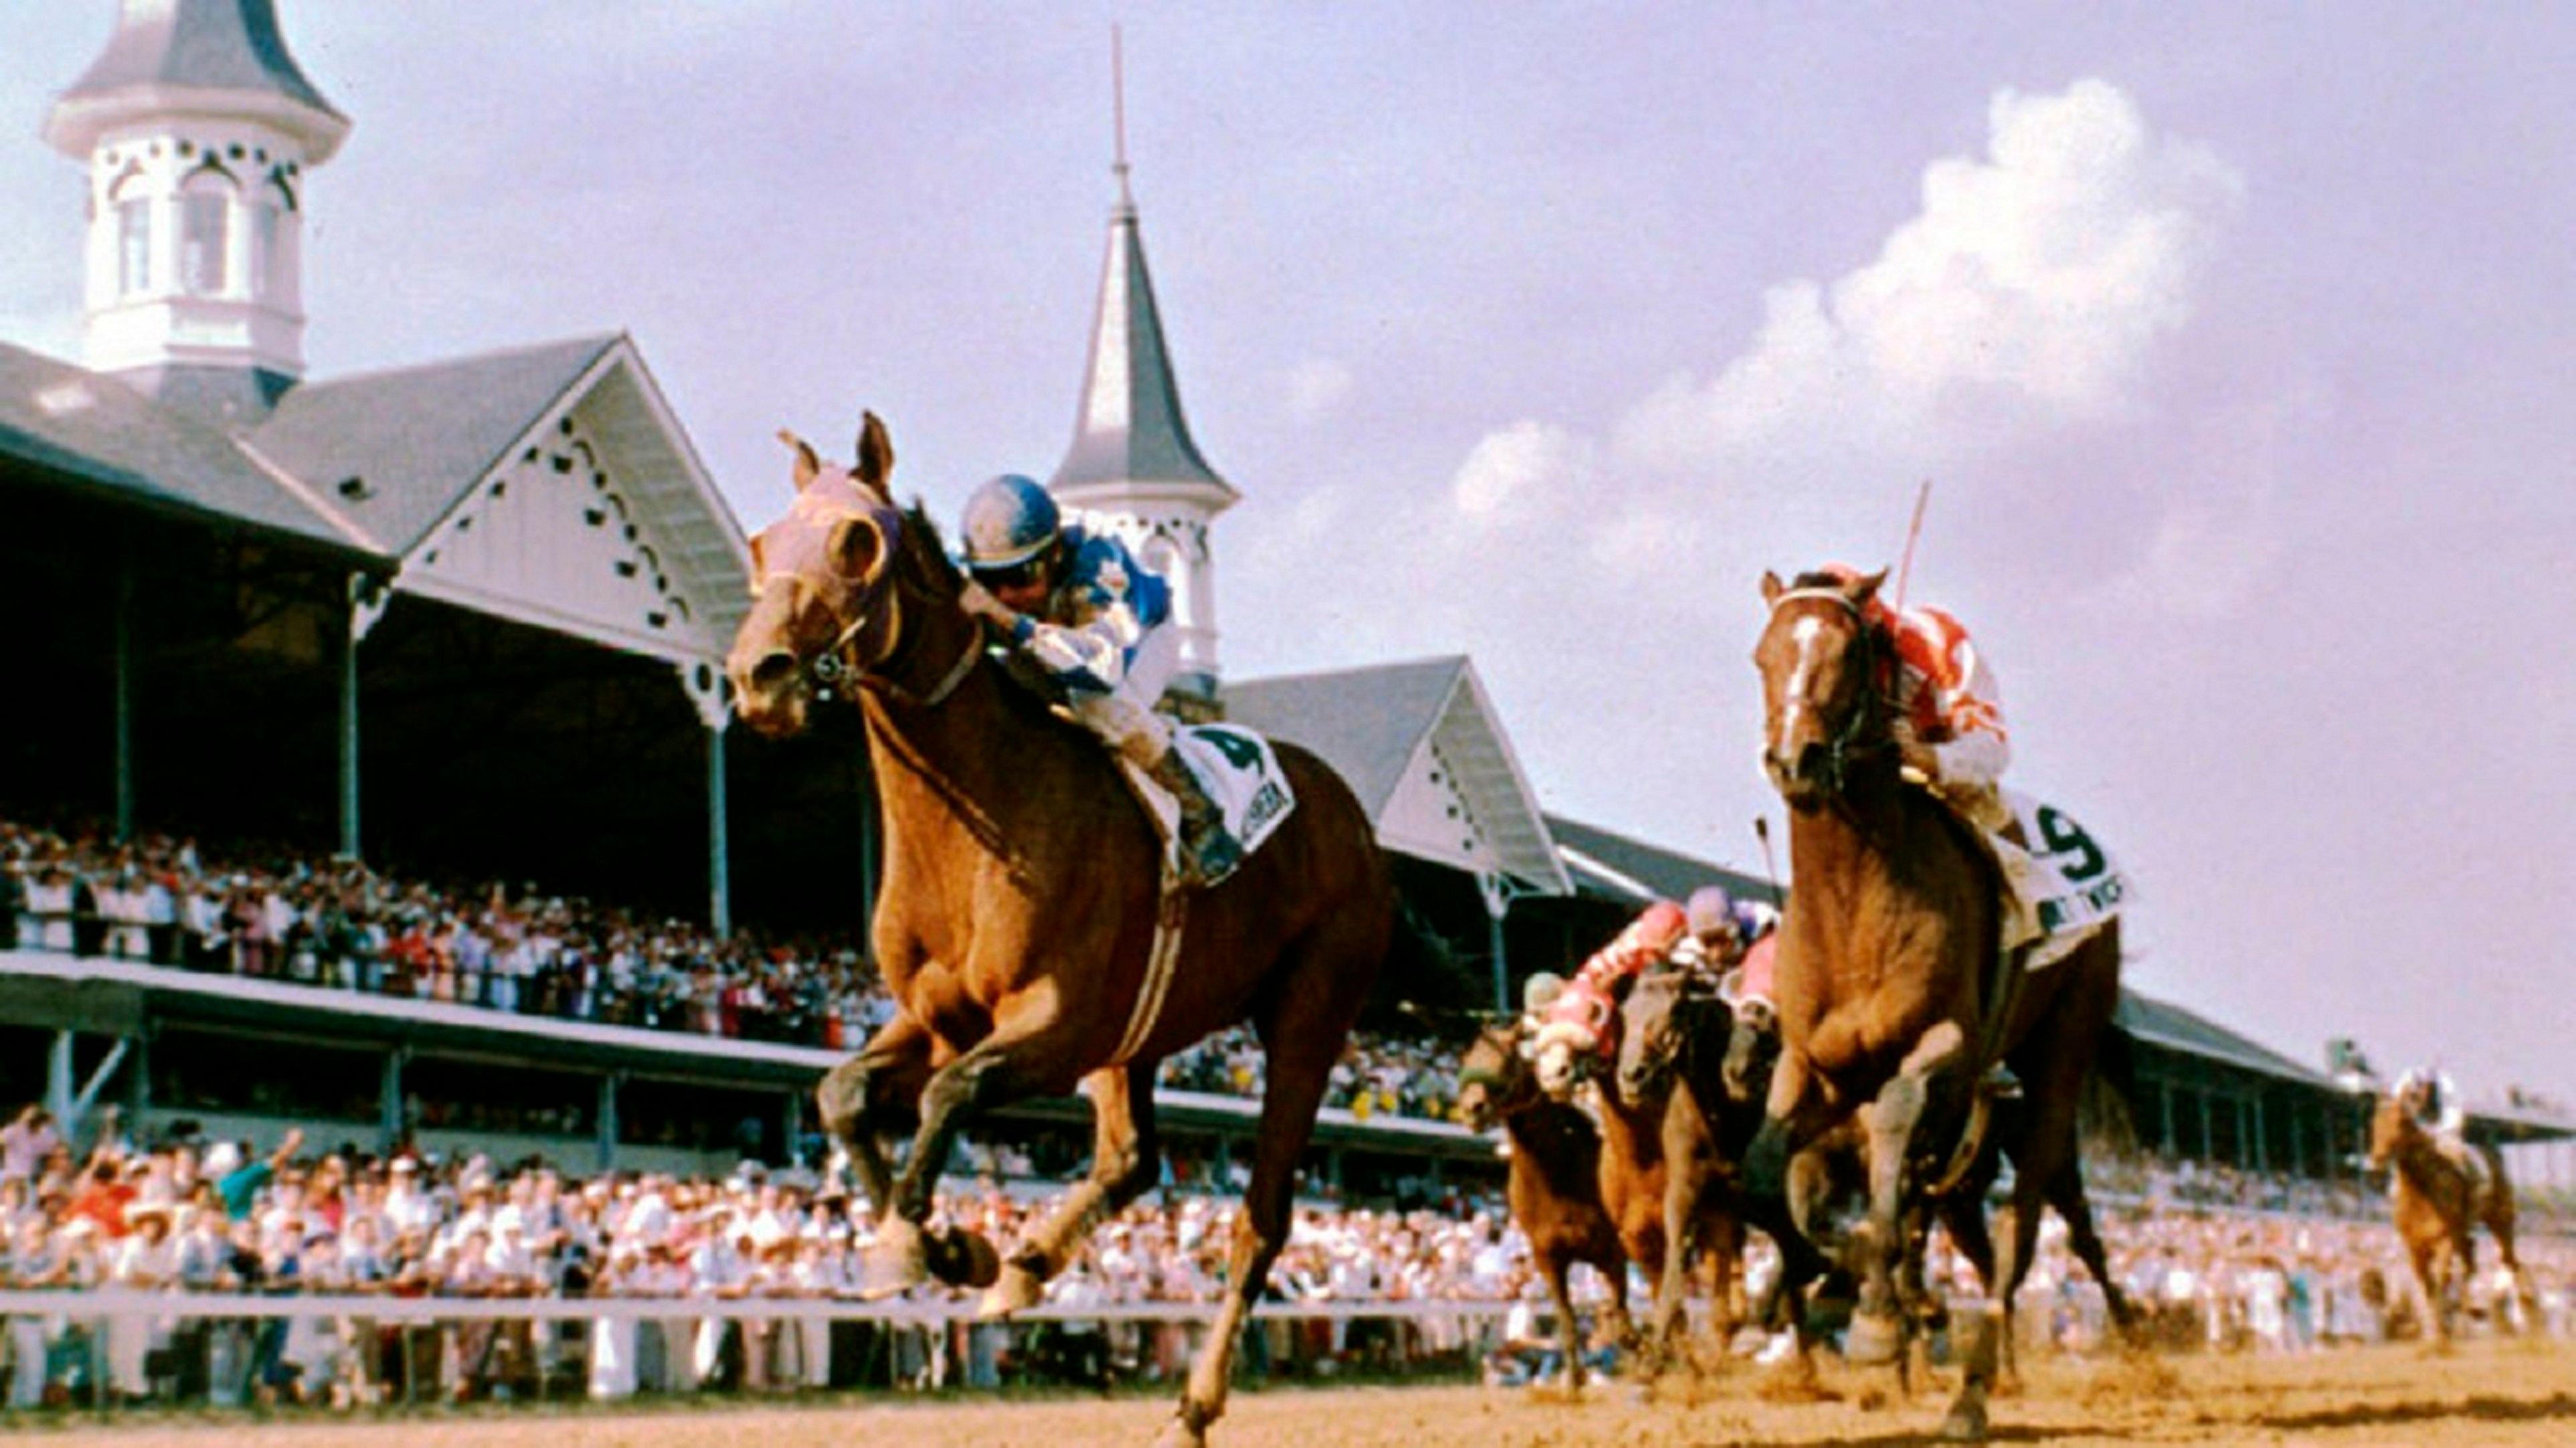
{"type": "Point", "coordinates": [2234, 337]}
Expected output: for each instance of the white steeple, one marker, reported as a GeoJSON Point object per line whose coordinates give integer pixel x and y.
{"type": "Point", "coordinates": [196, 126]}
{"type": "Point", "coordinates": [1132, 468]}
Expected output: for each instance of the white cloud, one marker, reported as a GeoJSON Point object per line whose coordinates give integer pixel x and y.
{"type": "Point", "coordinates": [1316, 387]}
{"type": "Point", "coordinates": [2031, 285]}
{"type": "Point", "coordinates": [1526, 471]}
{"type": "Point", "coordinates": [2203, 562]}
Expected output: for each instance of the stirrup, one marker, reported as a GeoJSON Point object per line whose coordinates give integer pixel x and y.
{"type": "Point", "coordinates": [2000, 1083]}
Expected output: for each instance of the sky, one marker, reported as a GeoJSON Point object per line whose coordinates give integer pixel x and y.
{"type": "Point", "coordinates": [2232, 338]}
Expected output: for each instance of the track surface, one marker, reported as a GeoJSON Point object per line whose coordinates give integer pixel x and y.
{"type": "Point", "coordinates": [2506, 1394]}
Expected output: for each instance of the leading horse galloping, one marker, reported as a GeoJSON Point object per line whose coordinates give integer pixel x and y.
{"type": "Point", "coordinates": [2439, 1200]}
{"type": "Point", "coordinates": [1890, 1004]}
{"type": "Point", "coordinates": [1021, 905]}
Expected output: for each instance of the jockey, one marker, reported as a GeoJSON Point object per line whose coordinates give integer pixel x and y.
{"type": "Point", "coordinates": [1078, 606]}
{"type": "Point", "coordinates": [1948, 726]}
{"type": "Point", "coordinates": [1582, 1020]}
{"type": "Point", "coordinates": [2435, 1099]}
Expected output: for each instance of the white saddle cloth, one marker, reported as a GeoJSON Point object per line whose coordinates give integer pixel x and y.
{"type": "Point", "coordinates": [1239, 771]}
{"type": "Point", "coordinates": [2073, 884]}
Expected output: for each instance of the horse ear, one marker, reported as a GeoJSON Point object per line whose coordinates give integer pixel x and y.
{"type": "Point", "coordinates": [855, 547]}
{"type": "Point", "coordinates": [808, 466]}
{"type": "Point", "coordinates": [876, 455]}
{"type": "Point", "coordinates": [759, 565]}
{"type": "Point", "coordinates": [1867, 588]}
{"type": "Point", "coordinates": [1772, 588]}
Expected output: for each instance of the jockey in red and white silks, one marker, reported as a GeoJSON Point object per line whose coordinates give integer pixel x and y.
{"type": "Point", "coordinates": [1583, 1021]}
{"type": "Point", "coordinates": [1949, 715]}
{"type": "Point", "coordinates": [1948, 725]}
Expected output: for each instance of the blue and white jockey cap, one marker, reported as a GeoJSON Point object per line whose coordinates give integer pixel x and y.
{"type": "Point", "coordinates": [1009, 520]}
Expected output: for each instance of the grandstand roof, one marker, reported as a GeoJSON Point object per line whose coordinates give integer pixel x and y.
{"type": "Point", "coordinates": [92, 428]}
{"type": "Point", "coordinates": [2164, 1024]}
{"type": "Point", "coordinates": [1422, 747]}
{"type": "Point", "coordinates": [416, 439]}
{"type": "Point", "coordinates": [615, 532]}
{"type": "Point", "coordinates": [1613, 866]}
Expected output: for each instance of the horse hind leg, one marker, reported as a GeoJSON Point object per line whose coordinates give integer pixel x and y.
{"type": "Point", "coordinates": [1318, 993]}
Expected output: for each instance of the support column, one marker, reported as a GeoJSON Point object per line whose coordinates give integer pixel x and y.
{"type": "Point", "coordinates": [2262, 1136]}
{"type": "Point", "coordinates": [58, 1084]}
{"type": "Point", "coordinates": [368, 596]}
{"type": "Point", "coordinates": [2165, 1098]}
{"type": "Point", "coordinates": [123, 650]}
{"type": "Point", "coordinates": [1496, 890]}
{"type": "Point", "coordinates": [609, 1085]}
{"type": "Point", "coordinates": [389, 1099]}
{"type": "Point", "coordinates": [705, 685]}
{"type": "Point", "coordinates": [795, 1127]}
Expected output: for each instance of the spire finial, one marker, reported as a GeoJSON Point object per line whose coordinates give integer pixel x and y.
{"type": "Point", "coordinates": [1118, 113]}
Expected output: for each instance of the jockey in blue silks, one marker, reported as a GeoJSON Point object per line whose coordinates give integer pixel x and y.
{"type": "Point", "coordinates": [1097, 623]}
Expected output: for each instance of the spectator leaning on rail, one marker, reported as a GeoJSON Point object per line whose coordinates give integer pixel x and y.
{"type": "Point", "coordinates": [1080, 608]}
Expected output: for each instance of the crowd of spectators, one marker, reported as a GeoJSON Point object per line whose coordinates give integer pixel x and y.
{"type": "Point", "coordinates": [176, 1216]}
{"type": "Point", "coordinates": [277, 914]}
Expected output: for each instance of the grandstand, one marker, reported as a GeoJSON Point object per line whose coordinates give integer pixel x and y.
{"type": "Point", "coordinates": [463, 621]}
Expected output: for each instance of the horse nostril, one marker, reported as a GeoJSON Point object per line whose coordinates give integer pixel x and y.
{"type": "Point", "coordinates": [773, 671]}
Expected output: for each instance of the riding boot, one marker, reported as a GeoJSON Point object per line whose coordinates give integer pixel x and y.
{"type": "Point", "coordinates": [1208, 853]}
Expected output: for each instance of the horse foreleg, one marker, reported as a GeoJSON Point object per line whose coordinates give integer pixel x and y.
{"type": "Point", "coordinates": [1686, 1174]}
{"type": "Point", "coordinates": [1126, 1160]}
{"type": "Point", "coordinates": [996, 1072]}
{"type": "Point", "coordinates": [867, 1090]}
{"type": "Point", "coordinates": [1569, 1333]}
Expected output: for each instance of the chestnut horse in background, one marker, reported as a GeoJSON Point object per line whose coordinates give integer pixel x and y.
{"type": "Point", "coordinates": [1891, 1004]}
{"type": "Point", "coordinates": [2439, 1202]}
{"type": "Point", "coordinates": [1021, 904]}
{"type": "Point", "coordinates": [1675, 1038]}
{"type": "Point", "coordinates": [1555, 1183]}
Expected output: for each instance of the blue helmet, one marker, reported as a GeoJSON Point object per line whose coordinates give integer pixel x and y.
{"type": "Point", "coordinates": [1009, 520]}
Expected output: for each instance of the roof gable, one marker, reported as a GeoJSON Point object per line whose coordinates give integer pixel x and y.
{"type": "Point", "coordinates": [1421, 747]}
{"type": "Point", "coordinates": [398, 450]}
{"type": "Point", "coordinates": [1606, 863]}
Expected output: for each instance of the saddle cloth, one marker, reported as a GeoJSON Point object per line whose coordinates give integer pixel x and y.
{"type": "Point", "coordinates": [2074, 885]}
{"type": "Point", "coordinates": [1239, 771]}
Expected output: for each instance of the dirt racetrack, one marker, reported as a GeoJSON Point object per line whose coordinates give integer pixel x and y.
{"type": "Point", "coordinates": [2486, 1393]}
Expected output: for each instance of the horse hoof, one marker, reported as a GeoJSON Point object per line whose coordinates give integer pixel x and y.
{"type": "Point", "coordinates": [963, 1259]}
{"type": "Point", "coordinates": [1874, 1340]}
{"type": "Point", "coordinates": [899, 1262]}
{"type": "Point", "coordinates": [1966, 1424]}
{"type": "Point", "coordinates": [1179, 1434]}
{"type": "Point", "coordinates": [1018, 1290]}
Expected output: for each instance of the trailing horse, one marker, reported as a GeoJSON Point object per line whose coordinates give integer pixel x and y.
{"type": "Point", "coordinates": [1674, 1040]}
{"type": "Point", "coordinates": [1893, 993]}
{"type": "Point", "coordinates": [1023, 926]}
{"type": "Point", "coordinates": [2439, 1200]}
{"type": "Point", "coordinates": [1555, 1183]}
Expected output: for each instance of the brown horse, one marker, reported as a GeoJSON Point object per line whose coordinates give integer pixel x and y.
{"type": "Point", "coordinates": [2439, 1201]}
{"type": "Point", "coordinates": [1555, 1183]}
{"type": "Point", "coordinates": [1891, 1003]}
{"type": "Point", "coordinates": [1021, 905]}
{"type": "Point", "coordinates": [1674, 1033]}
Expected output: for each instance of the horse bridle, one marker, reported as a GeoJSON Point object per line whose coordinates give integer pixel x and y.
{"type": "Point", "coordinates": [839, 662]}
{"type": "Point", "coordinates": [1861, 734]}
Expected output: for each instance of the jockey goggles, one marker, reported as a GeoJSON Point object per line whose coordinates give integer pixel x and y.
{"type": "Point", "coordinates": [1036, 568]}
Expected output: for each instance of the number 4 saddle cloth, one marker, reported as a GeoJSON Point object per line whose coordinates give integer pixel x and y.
{"type": "Point", "coordinates": [1240, 773]}
{"type": "Point", "coordinates": [2071, 887]}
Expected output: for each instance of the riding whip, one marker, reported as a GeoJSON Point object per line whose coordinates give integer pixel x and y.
{"type": "Point", "coordinates": [1913, 531]}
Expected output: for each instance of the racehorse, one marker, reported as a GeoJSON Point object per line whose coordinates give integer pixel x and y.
{"type": "Point", "coordinates": [1021, 910]}
{"type": "Point", "coordinates": [1555, 1182]}
{"type": "Point", "coordinates": [2439, 1201]}
{"type": "Point", "coordinates": [1891, 1003]}
{"type": "Point", "coordinates": [1674, 1039]}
